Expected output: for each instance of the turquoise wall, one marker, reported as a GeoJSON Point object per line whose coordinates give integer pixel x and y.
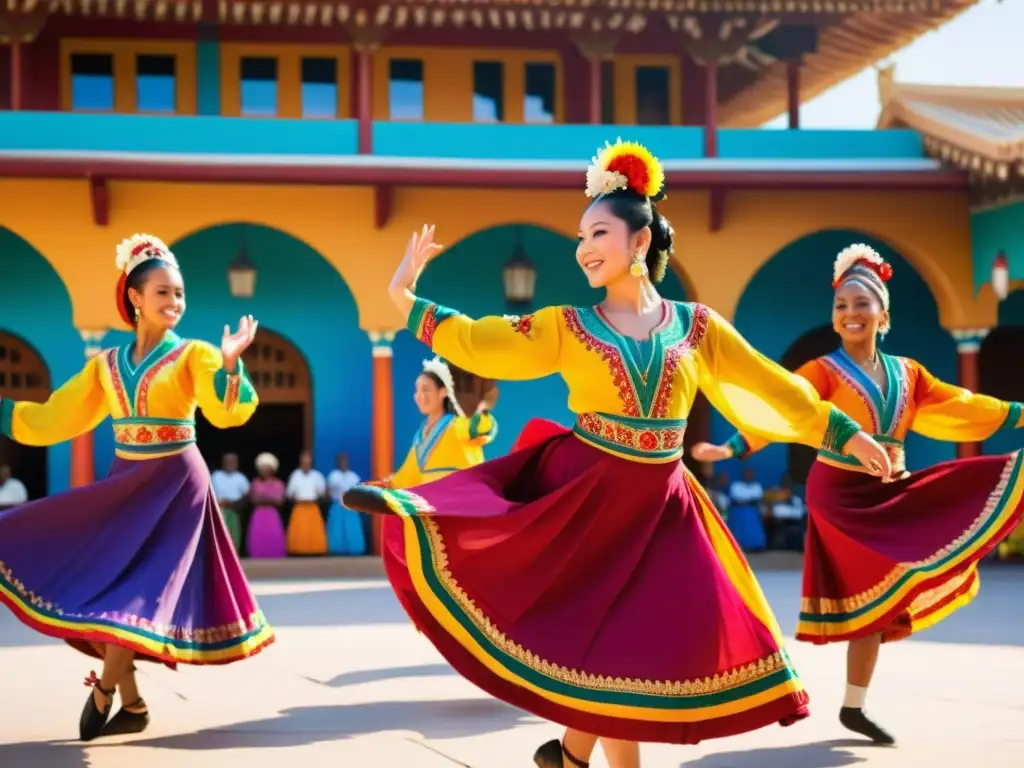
{"type": "Point", "coordinates": [299, 296]}
{"type": "Point", "coordinates": [994, 230]}
{"type": "Point", "coordinates": [35, 305]}
{"type": "Point", "coordinates": [208, 77]}
{"type": "Point", "coordinates": [772, 315]}
{"type": "Point", "coordinates": [468, 277]}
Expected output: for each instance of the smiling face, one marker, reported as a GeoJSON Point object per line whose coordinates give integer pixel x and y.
{"type": "Point", "coordinates": [429, 395]}
{"type": "Point", "coordinates": [161, 299]}
{"type": "Point", "coordinates": [857, 313]}
{"type": "Point", "coordinates": [606, 246]}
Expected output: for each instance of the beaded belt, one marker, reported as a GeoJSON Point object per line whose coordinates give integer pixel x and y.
{"type": "Point", "coordinates": [895, 448]}
{"type": "Point", "coordinates": [653, 441]}
{"type": "Point", "coordinates": [148, 438]}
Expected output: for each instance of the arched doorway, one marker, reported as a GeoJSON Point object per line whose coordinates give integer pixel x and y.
{"type": "Point", "coordinates": [23, 376]}
{"type": "Point", "coordinates": [814, 343]}
{"type": "Point", "coordinates": [283, 423]}
{"type": "Point", "coordinates": [999, 366]}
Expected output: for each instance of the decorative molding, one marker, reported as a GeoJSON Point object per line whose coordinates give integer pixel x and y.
{"type": "Point", "coordinates": [381, 342]}
{"type": "Point", "coordinates": [968, 340]}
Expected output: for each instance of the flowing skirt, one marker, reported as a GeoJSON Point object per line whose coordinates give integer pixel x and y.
{"type": "Point", "coordinates": [899, 557]}
{"type": "Point", "coordinates": [603, 594]}
{"type": "Point", "coordinates": [345, 534]}
{"type": "Point", "coordinates": [141, 559]}
{"type": "Point", "coordinates": [266, 539]}
{"type": "Point", "coordinates": [306, 532]}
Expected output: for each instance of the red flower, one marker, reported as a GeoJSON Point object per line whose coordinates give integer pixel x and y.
{"type": "Point", "coordinates": [143, 435]}
{"type": "Point", "coordinates": [634, 169]}
{"type": "Point", "coordinates": [525, 324]}
{"type": "Point", "coordinates": [648, 440]}
{"type": "Point", "coordinates": [885, 271]}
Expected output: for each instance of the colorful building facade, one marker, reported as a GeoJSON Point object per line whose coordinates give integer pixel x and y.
{"type": "Point", "coordinates": [300, 143]}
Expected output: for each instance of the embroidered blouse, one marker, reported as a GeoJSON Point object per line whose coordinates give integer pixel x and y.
{"type": "Point", "coordinates": [455, 442]}
{"type": "Point", "coordinates": [632, 398]}
{"type": "Point", "coordinates": [911, 400]}
{"type": "Point", "coordinates": [153, 404]}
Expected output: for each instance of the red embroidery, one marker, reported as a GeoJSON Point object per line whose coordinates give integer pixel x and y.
{"type": "Point", "coordinates": [140, 434]}
{"type": "Point", "coordinates": [429, 325]}
{"type": "Point", "coordinates": [117, 382]}
{"type": "Point", "coordinates": [521, 324]}
{"type": "Point", "coordinates": [142, 397]}
{"type": "Point", "coordinates": [231, 396]}
{"type": "Point", "coordinates": [610, 355]}
{"type": "Point", "coordinates": [698, 327]}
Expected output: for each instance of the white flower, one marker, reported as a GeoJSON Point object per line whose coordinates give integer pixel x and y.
{"type": "Point", "coordinates": [127, 259]}
{"type": "Point", "coordinates": [602, 182]}
{"type": "Point", "coordinates": [850, 255]}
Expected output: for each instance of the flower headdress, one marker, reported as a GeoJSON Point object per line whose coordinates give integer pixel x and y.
{"type": "Point", "coordinates": [626, 165]}
{"type": "Point", "coordinates": [132, 252]}
{"type": "Point", "coordinates": [862, 264]}
{"type": "Point", "coordinates": [439, 368]}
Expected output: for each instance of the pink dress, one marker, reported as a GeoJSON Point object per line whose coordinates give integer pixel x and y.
{"type": "Point", "coordinates": [266, 537]}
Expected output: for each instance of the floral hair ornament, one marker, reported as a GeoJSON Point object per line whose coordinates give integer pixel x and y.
{"type": "Point", "coordinates": [626, 165]}
{"type": "Point", "coordinates": [439, 368]}
{"type": "Point", "coordinates": [862, 264]}
{"type": "Point", "coordinates": [132, 252]}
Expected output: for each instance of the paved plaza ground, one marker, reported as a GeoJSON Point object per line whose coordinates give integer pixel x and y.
{"type": "Point", "coordinates": [350, 683]}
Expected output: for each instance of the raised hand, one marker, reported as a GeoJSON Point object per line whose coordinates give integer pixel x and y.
{"type": "Point", "coordinates": [232, 345]}
{"type": "Point", "coordinates": [418, 251]}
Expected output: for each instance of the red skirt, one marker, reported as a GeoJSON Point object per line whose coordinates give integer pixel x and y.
{"type": "Point", "coordinates": [899, 557]}
{"type": "Point", "coordinates": [597, 592]}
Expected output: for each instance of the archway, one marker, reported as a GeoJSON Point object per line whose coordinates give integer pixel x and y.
{"type": "Point", "coordinates": [23, 376]}
{"type": "Point", "coordinates": [35, 308]}
{"type": "Point", "coordinates": [316, 338]}
{"type": "Point", "coordinates": [283, 423]}
{"type": "Point", "coordinates": [815, 343]}
{"type": "Point", "coordinates": [999, 365]}
{"type": "Point", "coordinates": [772, 314]}
{"type": "Point", "coordinates": [469, 277]}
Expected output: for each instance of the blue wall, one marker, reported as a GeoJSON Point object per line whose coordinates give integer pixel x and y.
{"type": "Point", "coordinates": [292, 279]}
{"type": "Point", "coordinates": [468, 277]}
{"type": "Point", "coordinates": [994, 230]}
{"type": "Point", "coordinates": [35, 305]}
{"type": "Point", "coordinates": [772, 315]}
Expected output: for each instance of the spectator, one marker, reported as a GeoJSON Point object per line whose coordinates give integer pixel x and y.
{"type": "Point", "coordinates": [745, 512]}
{"type": "Point", "coordinates": [231, 488]}
{"type": "Point", "coordinates": [12, 490]}
{"type": "Point", "coordinates": [306, 489]}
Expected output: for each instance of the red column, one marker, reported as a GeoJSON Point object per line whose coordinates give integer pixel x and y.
{"type": "Point", "coordinates": [15, 75]}
{"type": "Point", "coordinates": [968, 347]}
{"type": "Point", "coordinates": [83, 454]}
{"type": "Point", "coordinates": [363, 95]}
{"type": "Point", "coordinates": [595, 89]}
{"type": "Point", "coordinates": [711, 109]}
{"type": "Point", "coordinates": [382, 457]}
{"type": "Point", "coordinates": [793, 92]}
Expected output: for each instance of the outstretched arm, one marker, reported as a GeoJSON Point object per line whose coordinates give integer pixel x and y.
{"type": "Point", "coordinates": [947, 412]}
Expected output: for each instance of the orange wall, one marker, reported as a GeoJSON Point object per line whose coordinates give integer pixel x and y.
{"type": "Point", "coordinates": [932, 231]}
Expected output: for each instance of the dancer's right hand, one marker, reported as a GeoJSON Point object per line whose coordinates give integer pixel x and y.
{"type": "Point", "coordinates": [711, 452]}
{"type": "Point", "coordinates": [868, 452]}
{"type": "Point", "coordinates": [418, 251]}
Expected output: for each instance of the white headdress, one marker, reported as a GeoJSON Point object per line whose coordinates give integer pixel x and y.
{"type": "Point", "coordinates": [267, 460]}
{"type": "Point", "coordinates": [439, 368]}
{"type": "Point", "coordinates": [137, 249]}
{"type": "Point", "coordinates": [852, 254]}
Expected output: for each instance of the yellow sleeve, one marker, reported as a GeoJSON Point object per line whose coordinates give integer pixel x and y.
{"type": "Point", "coordinates": [226, 400]}
{"type": "Point", "coordinates": [477, 430]}
{"type": "Point", "coordinates": [74, 409]}
{"type": "Point", "coordinates": [762, 398]}
{"type": "Point", "coordinates": [407, 475]}
{"type": "Point", "coordinates": [509, 348]}
{"type": "Point", "coordinates": [955, 414]}
{"type": "Point", "coordinates": [745, 445]}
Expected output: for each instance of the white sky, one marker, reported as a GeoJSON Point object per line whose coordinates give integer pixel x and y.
{"type": "Point", "coordinates": [982, 46]}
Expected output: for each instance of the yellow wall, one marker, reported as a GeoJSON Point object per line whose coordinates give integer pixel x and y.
{"type": "Point", "coordinates": [932, 231]}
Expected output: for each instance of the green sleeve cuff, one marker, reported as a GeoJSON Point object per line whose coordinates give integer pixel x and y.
{"type": "Point", "coordinates": [475, 429]}
{"type": "Point", "coordinates": [424, 318]}
{"type": "Point", "coordinates": [1012, 420]}
{"type": "Point", "coordinates": [6, 416]}
{"type": "Point", "coordinates": [740, 447]}
{"type": "Point", "coordinates": [839, 431]}
{"type": "Point", "coordinates": [234, 388]}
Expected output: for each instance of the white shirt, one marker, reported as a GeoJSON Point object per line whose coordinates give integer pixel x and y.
{"type": "Point", "coordinates": [306, 486]}
{"type": "Point", "coordinates": [339, 481]}
{"type": "Point", "coordinates": [13, 492]}
{"type": "Point", "coordinates": [743, 492]}
{"type": "Point", "coordinates": [229, 486]}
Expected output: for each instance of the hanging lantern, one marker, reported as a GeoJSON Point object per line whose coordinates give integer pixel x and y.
{"type": "Point", "coordinates": [520, 277]}
{"type": "Point", "coordinates": [242, 276]}
{"type": "Point", "coordinates": [1001, 276]}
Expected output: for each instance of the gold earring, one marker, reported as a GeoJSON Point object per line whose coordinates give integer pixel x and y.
{"type": "Point", "coordinates": [638, 267]}
{"type": "Point", "coordinates": [138, 314]}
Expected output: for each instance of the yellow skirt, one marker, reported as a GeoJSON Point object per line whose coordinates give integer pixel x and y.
{"type": "Point", "coordinates": [307, 534]}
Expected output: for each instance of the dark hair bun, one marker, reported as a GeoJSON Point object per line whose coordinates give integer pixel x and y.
{"type": "Point", "coordinates": [662, 246]}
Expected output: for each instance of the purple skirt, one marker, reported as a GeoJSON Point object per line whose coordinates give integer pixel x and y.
{"type": "Point", "coordinates": [141, 559]}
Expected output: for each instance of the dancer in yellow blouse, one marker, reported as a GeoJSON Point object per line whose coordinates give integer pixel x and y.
{"type": "Point", "coordinates": [140, 564]}
{"type": "Point", "coordinates": [884, 560]}
{"type": "Point", "coordinates": [586, 578]}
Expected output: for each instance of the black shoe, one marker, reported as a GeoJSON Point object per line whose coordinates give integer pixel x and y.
{"type": "Point", "coordinates": [93, 718]}
{"type": "Point", "coordinates": [854, 719]}
{"type": "Point", "coordinates": [127, 722]}
{"type": "Point", "coordinates": [550, 756]}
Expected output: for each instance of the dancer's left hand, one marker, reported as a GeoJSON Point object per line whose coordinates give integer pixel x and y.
{"type": "Point", "coordinates": [232, 345]}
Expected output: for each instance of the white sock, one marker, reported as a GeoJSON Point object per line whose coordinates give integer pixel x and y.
{"type": "Point", "coordinates": [855, 696]}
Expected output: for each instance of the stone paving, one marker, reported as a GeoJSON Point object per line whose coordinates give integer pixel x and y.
{"type": "Point", "coordinates": [350, 683]}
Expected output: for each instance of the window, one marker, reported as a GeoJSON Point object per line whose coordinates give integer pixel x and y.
{"type": "Point", "coordinates": [405, 89]}
{"type": "Point", "coordinates": [155, 87]}
{"type": "Point", "coordinates": [652, 96]}
{"type": "Point", "coordinates": [539, 106]}
{"type": "Point", "coordinates": [319, 87]}
{"type": "Point", "coordinates": [488, 92]}
{"type": "Point", "coordinates": [92, 81]}
{"type": "Point", "coordinates": [259, 86]}
{"type": "Point", "coordinates": [608, 92]}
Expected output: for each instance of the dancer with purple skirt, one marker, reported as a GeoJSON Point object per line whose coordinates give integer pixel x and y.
{"type": "Point", "coordinates": [139, 564]}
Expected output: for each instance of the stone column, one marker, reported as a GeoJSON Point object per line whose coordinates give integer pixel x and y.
{"type": "Point", "coordinates": [83, 455]}
{"type": "Point", "coordinates": [968, 347]}
{"type": "Point", "coordinates": [382, 445]}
